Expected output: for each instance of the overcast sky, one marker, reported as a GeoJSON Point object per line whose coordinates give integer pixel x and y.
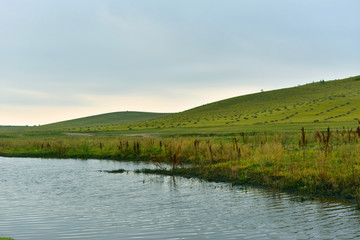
{"type": "Point", "coordinates": [63, 59]}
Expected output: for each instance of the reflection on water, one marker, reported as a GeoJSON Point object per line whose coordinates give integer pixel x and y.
{"type": "Point", "coordinates": [71, 199]}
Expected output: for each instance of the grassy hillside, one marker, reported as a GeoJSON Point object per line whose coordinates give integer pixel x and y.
{"type": "Point", "coordinates": [102, 120]}
{"type": "Point", "coordinates": [315, 106]}
{"type": "Point", "coordinates": [329, 102]}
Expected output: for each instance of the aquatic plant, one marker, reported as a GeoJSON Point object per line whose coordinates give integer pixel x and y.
{"type": "Point", "coordinates": [326, 162]}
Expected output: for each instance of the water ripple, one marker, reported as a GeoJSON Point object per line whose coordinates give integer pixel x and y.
{"type": "Point", "coordinates": [71, 199]}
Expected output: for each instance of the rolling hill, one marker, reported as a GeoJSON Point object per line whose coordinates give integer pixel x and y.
{"type": "Point", "coordinates": [329, 102]}
{"type": "Point", "coordinates": [317, 102]}
{"type": "Point", "coordinates": [103, 120]}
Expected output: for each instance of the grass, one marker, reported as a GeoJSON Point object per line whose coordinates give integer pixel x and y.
{"type": "Point", "coordinates": [315, 106]}
{"type": "Point", "coordinates": [304, 139]}
{"type": "Point", "coordinates": [323, 163]}
{"type": "Point", "coordinates": [327, 102]}
{"type": "Point", "coordinates": [6, 238]}
{"type": "Point", "coordinates": [103, 120]}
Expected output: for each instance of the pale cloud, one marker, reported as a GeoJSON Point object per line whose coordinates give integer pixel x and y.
{"type": "Point", "coordinates": [35, 115]}
{"type": "Point", "coordinates": [66, 59]}
{"type": "Point", "coordinates": [36, 98]}
{"type": "Point", "coordinates": [27, 93]}
{"type": "Point", "coordinates": [173, 100]}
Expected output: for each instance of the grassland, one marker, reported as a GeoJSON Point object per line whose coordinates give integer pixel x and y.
{"type": "Point", "coordinates": [315, 163]}
{"type": "Point", "coordinates": [253, 139]}
{"type": "Point", "coordinates": [103, 120]}
{"type": "Point", "coordinates": [326, 102]}
{"type": "Point", "coordinates": [314, 106]}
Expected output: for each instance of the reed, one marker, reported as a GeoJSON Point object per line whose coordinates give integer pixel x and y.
{"type": "Point", "coordinates": [303, 142]}
{"type": "Point", "coordinates": [325, 163]}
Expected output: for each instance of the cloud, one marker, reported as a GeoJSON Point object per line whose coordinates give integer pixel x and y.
{"type": "Point", "coordinates": [166, 100]}
{"type": "Point", "coordinates": [27, 97]}
{"type": "Point", "coordinates": [109, 55]}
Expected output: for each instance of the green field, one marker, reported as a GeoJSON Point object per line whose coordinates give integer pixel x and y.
{"type": "Point", "coordinates": [103, 120]}
{"type": "Point", "coordinates": [318, 104]}
{"type": "Point", "coordinates": [315, 106]}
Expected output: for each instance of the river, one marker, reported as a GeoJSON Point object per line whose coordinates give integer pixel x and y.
{"type": "Point", "coordinates": [73, 199]}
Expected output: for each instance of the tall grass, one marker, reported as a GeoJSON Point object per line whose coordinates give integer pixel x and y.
{"type": "Point", "coordinates": [320, 162]}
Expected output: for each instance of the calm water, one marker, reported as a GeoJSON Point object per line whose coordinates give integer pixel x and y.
{"type": "Point", "coordinates": [72, 199]}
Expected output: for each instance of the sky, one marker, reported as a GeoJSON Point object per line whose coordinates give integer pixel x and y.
{"type": "Point", "coordinates": [64, 59]}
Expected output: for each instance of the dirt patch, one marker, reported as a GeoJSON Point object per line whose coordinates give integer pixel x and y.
{"type": "Point", "coordinates": [79, 134]}
{"type": "Point", "coordinates": [145, 135]}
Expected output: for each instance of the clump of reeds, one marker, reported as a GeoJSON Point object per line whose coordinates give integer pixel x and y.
{"type": "Point", "coordinates": [158, 161]}
{"type": "Point", "coordinates": [324, 140]}
{"type": "Point", "coordinates": [236, 148]}
{"type": "Point", "coordinates": [196, 145]}
{"type": "Point", "coordinates": [173, 155]}
{"type": "Point", "coordinates": [244, 138]}
{"type": "Point", "coordinates": [274, 160]}
{"type": "Point", "coordinates": [210, 151]}
{"type": "Point", "coordinates": [45, 146]}
{"type": "Point", "coordinates": [303, 142]}
{"type": "Point", "coordinates": [120, 146]}
{"type": "Point", "coordinates": [136, 147]}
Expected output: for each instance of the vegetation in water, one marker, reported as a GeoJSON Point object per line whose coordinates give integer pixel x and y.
{"type": "Point", "coordinates": [317, 163]}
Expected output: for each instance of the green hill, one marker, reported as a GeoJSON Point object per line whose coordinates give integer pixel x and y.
{"type": "Point", "coordinates": [318, 102]}
{"type": "Point", "coordinates": [103, 120]}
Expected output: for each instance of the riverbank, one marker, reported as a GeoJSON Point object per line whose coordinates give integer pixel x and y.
{"type": "Point", "coordinates": [313, 163]}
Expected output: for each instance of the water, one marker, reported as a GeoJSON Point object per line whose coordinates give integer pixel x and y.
{"type": "Point", "coordinates": [72, 199]}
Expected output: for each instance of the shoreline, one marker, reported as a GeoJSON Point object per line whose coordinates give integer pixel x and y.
{"type": "Point", "coordinates": [303, 196]}
{"type": "Point", "coordinates": [325, 163]}
{"type": "Point", "coordinates": [213, 173]}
